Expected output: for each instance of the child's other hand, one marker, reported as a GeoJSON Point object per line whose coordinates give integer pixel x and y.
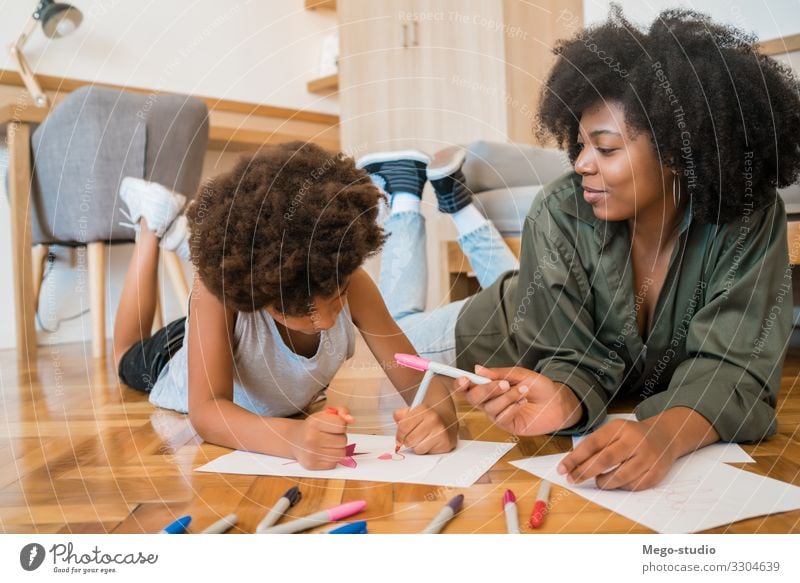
{"type": "Point", "coordinates": [320, 440]}
{"type": "Point", "coordinates": [422, 430]}
{"type": "Point", "coordinates": [521, 401]}
{"type": "Point", "coordinates": [629, 455]}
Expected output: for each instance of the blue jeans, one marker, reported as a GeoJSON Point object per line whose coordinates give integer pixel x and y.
{"type": "Point", "coordinates": [404, 285]}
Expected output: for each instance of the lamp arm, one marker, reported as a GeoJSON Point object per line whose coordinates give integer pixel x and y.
{"type": "Point", "coordinates": [28, 78]}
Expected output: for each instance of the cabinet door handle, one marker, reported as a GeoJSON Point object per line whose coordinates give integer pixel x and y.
{"type": "Point", "coordinates": [414, 37]}
{"type": "Point", "coordinates": [405, 35]}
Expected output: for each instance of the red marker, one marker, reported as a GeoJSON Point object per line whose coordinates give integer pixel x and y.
{"type": "Point", "coordinates": [540, 506]}
{"type": "Point", "coordinates": [510, 508]}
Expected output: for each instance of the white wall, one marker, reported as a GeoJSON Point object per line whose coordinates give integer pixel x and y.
{"type": "Point", "coordinates": [244, 50]}
{"type": "Point", "coordinates": [253, 51]}
{"type": "Point", "coordinates": [768, 19]}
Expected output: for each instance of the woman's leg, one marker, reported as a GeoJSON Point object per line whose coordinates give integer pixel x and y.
{"type": "Point", "coordinates": [404, 268]}
{"type": "Point", "coordinates": [483, 245]}
{"type": "Point", "coordinates": [488, 253]}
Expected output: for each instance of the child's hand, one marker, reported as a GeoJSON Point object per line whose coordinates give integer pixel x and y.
{"type": "Point", "coordinates": [521, 401]}
{"type": "Point", "coordinates": [630, 455]}
{"type": "Point", "coordinates": [320, 440]}
{"type": "Point", "coordinates": [422, 430]}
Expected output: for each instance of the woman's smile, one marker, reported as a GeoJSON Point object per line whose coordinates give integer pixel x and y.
{"type": "Point", "coordinates": [593, 195]}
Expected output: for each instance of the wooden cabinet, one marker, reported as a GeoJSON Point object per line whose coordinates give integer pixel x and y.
{"type": "Point", "coordinates": [425, 73]}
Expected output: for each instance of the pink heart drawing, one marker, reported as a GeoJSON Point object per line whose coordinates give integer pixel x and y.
{"type": "Point", "coordinates": [350, 451]}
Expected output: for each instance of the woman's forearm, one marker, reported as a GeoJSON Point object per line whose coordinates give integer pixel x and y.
{"type": "Point", "coordinates": [685, 430]}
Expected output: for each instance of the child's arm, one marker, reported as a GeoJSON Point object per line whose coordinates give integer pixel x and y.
{"type": "Point", "coordinates": [433, 426]}
{"type": "Point", "coordinates": [317, 442]}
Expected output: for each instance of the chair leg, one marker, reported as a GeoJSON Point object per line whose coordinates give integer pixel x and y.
{"type": "Point", "coordinates": [39, 256]}
{"type": "Point", "coordinates": [96, 255]}
{"type": "Point", "coordinates": [174, 268]}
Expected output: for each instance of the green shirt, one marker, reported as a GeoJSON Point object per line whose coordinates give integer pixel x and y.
{"type": "Point", "coordinates": [716, 343]}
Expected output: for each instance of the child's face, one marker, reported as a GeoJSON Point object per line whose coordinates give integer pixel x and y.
{"type": "Point", "coordinates": [324, 312]}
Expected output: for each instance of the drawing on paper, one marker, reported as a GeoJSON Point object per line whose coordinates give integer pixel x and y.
{"type": "Point", "coordinates": [681, 496]}
{"type": "Point", "coordinates": [349, 453]}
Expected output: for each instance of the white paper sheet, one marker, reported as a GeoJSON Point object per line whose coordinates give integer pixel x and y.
{"type": "Point", "coordinates": [716, 452]}
{"type": "Point", "coordinates": [696, 495]}
{"type": "Point", "coordinates": [459, 468]}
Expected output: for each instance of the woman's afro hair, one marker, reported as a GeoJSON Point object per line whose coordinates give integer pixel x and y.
{"type": "Point", "coordinates": [721, 114]}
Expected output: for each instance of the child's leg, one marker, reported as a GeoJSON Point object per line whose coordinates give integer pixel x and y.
{"type": "Point", "coordinates": [137, 305]}
{"type": "Point", "coordinates": [483, 245]}
{"type": "Point", "coordinates": [152, 210]}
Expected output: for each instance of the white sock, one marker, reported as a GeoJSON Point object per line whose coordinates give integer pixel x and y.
{"type": "Point", "coordinates": [403, 202]}
{"type": "Point", "coordinates": [468, 219]}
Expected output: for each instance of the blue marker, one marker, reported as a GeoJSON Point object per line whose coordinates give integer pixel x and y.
{"type": "Point", "coordinates": [358, 527]}
{"type": "Point", "coordinates": [177, 527]}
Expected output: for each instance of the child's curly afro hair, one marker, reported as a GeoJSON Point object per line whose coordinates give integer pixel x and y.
{"type": "Point", "coordinates": [286, 225]}
{"type": "Point", "coordinates": [719, 112]}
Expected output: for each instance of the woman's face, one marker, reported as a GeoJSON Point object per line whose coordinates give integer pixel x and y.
{"type": "Point", "coordinates": [623, 178]}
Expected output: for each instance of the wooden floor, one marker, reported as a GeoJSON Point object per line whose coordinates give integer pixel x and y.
{"type": "Point", "coordinates": [79, 453]}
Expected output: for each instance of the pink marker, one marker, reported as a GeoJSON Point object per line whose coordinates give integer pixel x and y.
{"type": "Point", "coordinates": [419, 363]}
{"type": "Point", "coordinates": [318, 518]}
{"type": "Point", "coordinates": [510, 509]}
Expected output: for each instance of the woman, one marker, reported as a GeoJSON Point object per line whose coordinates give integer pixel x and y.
{"type": "Point", "coordinates": [657, 270]}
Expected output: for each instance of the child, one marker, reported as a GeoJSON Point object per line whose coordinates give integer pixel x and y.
{"type": "Point", "coordinates": [277, 244]}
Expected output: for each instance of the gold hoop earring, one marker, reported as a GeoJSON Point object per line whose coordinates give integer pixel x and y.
{"type": "Point", "coordinates": [676, 189]}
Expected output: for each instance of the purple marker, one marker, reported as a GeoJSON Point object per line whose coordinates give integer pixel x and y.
{"type": "Point", "coordinates": [445, 515]}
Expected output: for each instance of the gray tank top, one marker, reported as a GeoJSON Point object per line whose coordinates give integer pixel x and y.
{"type": "Point", "coordinates": [269, 378]}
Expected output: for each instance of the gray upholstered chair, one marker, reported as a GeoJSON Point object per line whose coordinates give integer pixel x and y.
{"type": "Point", "coordinates": [81, 152]}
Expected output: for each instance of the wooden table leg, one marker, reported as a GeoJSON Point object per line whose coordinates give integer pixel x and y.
{"type": "Point", "coordinates": [19, 191]}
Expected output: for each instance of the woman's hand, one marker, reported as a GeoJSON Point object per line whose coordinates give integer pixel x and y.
{"type": "Point", "coordinates": [423, 430]}
{"type": "Point", "coordinates": [320, 440]}
{"type": "Point", "coordinates": [629, 455]}
{"type": "Point", "coordinates": [521, 401]}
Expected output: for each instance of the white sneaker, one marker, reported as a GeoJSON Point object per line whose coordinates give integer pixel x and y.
{"type": "Point", "coordinates": [157, 204]}
{"type": "Point", "coordinates": [177, 238]}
